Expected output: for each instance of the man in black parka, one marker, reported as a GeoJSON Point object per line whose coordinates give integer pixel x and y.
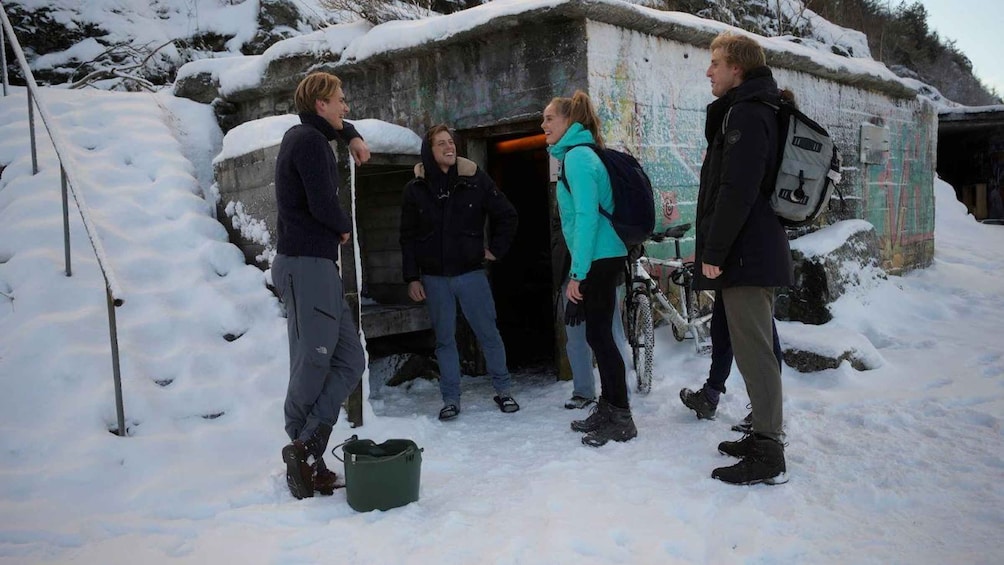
{"type": "Point", "coordinates": [444, 253]}
{"type": "Point", "coordinates": [742, 250]}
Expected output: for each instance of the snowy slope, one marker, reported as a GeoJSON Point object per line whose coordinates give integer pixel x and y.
{"type": "Point", "coordinates": [901, 464]}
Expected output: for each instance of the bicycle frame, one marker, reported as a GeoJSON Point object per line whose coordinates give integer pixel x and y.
{"type": "Point", "coordinates": [683, 319]}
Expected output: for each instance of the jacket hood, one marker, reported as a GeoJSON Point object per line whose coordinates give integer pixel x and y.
{"type": "Point", "coordinates": [463, 168]}
{"type": "Point", "coordinates": [575, 135]}
{"type": "Point", "coordinates": [759, 83]}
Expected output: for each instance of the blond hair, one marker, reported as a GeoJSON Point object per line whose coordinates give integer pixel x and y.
{"type": "Point", "coordinates": [314, 87]}
{"type": "Point", "coordinates": [740, 50]}
{"type": "Point", "coordinates": [579, 108]}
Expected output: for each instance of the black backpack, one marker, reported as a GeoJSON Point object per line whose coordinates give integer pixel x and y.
{"type": "Point", "coordinates": [633, 217]}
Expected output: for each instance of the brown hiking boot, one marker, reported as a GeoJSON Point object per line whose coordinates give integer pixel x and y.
{"type": "Point", "coordinates": [299, 473]}
{"type": "Point", "coordinates": [325, 480]}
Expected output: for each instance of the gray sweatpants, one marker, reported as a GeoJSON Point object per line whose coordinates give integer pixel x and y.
{"type": "Point", "coordinates": [326, 357]}
{"type": "Point", "coordinates": [750, 312]}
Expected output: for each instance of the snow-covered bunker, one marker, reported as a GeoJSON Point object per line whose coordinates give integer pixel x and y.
{"type": "Point", "coordinates": [489, 72]}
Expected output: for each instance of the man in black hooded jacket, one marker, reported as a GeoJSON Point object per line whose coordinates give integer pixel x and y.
{"type": "Point", "coordinates": [742, 250]}
{"type": "Point", "coordinates": [443, 251]}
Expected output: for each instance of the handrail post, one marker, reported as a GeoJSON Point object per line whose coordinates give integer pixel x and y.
{"type": "Point", "coordinates": [31, 132]}
{"type": "Point", "coordinates": [3, 59]}
{"type": "Point", "coordinates": [116, 375]}
{"type": "Point", "coordinates": [66, 221]}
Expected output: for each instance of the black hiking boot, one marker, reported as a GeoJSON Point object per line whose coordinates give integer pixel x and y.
{"type": "Point", "coordinates": [740, 449]}
{"type": "Point", "coordinates": [746, 426]}
{"type": "Point", "coordinates": [299, 473]}
{"type": "Point", "coordinates": [325, 480]}
{"type": "Point", "coordinates": [698, 401]}
{"type": "Point", "coordinates": [579, 402]}
{"type": "Point", "coordinates": [296, 455]}
{"type": "Point", "coordinates": [599, 415]}
{"type": "Point", "coordinates": [764, 465]}
{"type": "Point", "coordinates": [620, 427]}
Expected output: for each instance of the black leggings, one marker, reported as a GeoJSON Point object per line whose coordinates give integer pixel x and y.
{"type": "Point", "coordinates": [600, 298]}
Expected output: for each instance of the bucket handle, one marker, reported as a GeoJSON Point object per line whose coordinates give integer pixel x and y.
{"type": "Point", "coordinates": [406, 452]}
{"type": "Point", "coordinates": [334, 450]}
{"type": "Point", "coordinates": [382, 459]}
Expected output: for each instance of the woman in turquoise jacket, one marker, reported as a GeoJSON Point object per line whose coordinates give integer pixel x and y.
{"type": "Point", "coordinates": [572, 130]}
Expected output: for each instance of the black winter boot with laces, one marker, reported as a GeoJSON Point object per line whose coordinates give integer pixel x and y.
{"type": "Point", "coordinates": [620, 427]}
{"type": "Point", "coordinates": [764, 465]}
{"type": "Point", "coordinates": [698, 401]}
{"type": "Point", "coordinates": [599, 415]}
{"type": "Point", "coordinates": [740, 449]}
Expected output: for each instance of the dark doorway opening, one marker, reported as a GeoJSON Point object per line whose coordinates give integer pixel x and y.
{"type": "Point", "coordinates": [522, 282]}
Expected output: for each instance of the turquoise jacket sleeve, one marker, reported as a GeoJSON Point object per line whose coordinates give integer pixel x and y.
{"type": "Point", "coordinates": [585, 174]}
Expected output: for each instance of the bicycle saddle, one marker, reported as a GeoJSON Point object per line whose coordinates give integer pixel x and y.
{"type": "Point", "coordinates": [675, 232]}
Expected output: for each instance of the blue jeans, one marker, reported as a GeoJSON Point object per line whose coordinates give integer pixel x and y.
{"type": "Point", "coordinates": [721, 347]}
{"type": "Point", "coordinates": [580, 356]}
{"type": "Point", "coordinates": [478, 306]}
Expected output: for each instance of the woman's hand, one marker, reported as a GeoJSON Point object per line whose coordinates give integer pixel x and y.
{"type": "Point", "coordinates": [573, 292]}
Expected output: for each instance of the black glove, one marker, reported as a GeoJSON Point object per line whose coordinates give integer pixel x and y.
{"type": "Point", "coordinates": [575, 314]}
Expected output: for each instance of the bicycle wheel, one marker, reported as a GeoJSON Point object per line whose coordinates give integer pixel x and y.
{"type": "Point", "coordinates": [642, 340]}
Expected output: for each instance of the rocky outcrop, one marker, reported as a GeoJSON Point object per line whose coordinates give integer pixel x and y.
{"type": "Point", "coordinates": [827, 261]}
{"type": "Point", "coordinates": [809, 348]}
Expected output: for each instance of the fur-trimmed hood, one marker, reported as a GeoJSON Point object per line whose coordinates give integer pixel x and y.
{"type": "Point", "coordinates": [465, 168]}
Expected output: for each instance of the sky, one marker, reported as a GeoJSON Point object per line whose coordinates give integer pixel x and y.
{"type": "Point", "coordinates": [976, 27]}
{"type": "Point", "coordinates": [899, 464]}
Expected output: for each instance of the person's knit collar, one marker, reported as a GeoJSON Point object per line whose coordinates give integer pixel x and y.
{"type": "Point", "coordinates": [322, 125]}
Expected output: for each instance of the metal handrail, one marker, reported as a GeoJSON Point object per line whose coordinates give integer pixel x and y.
{"type": "Point", "coordinates": [70, 182]}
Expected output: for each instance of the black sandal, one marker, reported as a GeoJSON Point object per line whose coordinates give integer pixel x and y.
{"type": "Point", "coordinates": [449, 412]}
{"type": "Point", "coordinates": [506, 403]}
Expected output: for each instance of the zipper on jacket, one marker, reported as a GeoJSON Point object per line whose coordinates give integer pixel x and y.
{"type": "Point", "coordinates": [292, 298]}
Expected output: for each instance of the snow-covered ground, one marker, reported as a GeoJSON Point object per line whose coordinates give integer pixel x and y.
{"type": "Point", "coordinates": [900, 464]}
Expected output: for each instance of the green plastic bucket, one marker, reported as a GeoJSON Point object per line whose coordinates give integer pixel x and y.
{"type": "Point", "coordinates": [381, 476]}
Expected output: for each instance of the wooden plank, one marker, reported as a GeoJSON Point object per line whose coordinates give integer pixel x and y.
{"type": "Point", "coordinates": [384, 322]}
{"type": "Point", "coordinates": [981, 201]}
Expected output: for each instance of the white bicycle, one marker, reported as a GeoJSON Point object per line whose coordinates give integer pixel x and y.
{"type": "Point", "coordinates": [689, 311]}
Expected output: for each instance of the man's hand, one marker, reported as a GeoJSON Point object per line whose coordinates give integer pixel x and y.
{"type": "Point", "coordinates": [359, 150]}
{"type": "Point", "coordinates": [710, 271]}
{"type": "Point", "coordinates": [489, 255]}
{"type": "Point", "coordinates": [416, 291]}
{"type": "Point", "coordinates": [345, 238]}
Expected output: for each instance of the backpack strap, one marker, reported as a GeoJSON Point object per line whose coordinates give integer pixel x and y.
{"type": "Point", "coordinates": [766, 184]}
{"type": "Point", "coordinates": [561, 174]}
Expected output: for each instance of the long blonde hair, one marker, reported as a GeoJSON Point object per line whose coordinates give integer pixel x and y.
{"type": "Point", "coordinates": [579, 108]}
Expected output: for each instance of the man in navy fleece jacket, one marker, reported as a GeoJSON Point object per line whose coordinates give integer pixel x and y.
{"type": "Point", "coordinates": [326, 357]}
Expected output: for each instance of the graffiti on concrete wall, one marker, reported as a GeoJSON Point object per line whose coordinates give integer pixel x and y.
{"type": "Point", "coordinates": [651, 94]}
{"type": "Point", "coordinates": [898, 199]}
